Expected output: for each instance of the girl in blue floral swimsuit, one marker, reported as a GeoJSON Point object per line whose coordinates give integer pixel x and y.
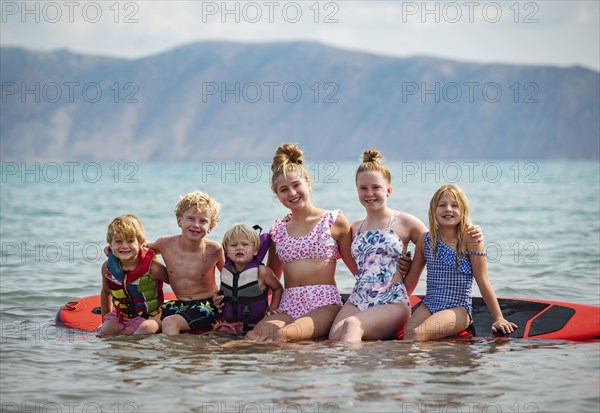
{"type": "Point", "coordinates": [375, 252]}
{"type": "Point", "coordinates": [378, 306]}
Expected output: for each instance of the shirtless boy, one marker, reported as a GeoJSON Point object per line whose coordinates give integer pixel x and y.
{"type": "Point", "coordinates": [191, 260]}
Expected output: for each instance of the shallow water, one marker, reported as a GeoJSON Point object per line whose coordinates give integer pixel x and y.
{"type": "Point", "coordinates": [546, 236]}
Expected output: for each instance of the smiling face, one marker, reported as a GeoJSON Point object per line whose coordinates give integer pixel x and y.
{"type": "Point", "coordinates": [125, 248]}
{"type": "Point", "coordinates": [447, 211]}
{"type": "Point", "coordinates": [195, 224]}
{"type": "Point", "coordinates": [373, 190]}
{"type": "Point", "coordinates": [293, 190]}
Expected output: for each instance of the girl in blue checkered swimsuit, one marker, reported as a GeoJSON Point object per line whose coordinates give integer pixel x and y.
{"type": "Point", "coordinates": [448, 285]}
{"type": "Point", "coordinates": [453, 261]}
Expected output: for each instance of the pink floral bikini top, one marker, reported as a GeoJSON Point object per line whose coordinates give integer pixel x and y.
{"type": "Point", "coordinates": [317, 244]}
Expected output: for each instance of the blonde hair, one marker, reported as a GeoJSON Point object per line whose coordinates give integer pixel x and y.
{"type": "Point", "coordinates": [126, 226]}
{"type": "Point", "coordinates": [463, 205]}
{"type": "Point", "coordinates": [241, 231]}
{"type": "Point", "coordinates": [198, 201]}
{"type": "Point", "coordinates": [371, 162]}
{"type": "Point", "coordinates": [288, 158]}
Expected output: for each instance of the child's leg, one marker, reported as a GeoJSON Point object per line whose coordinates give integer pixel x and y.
{"type": "Point", "coordinates": [267, 328]}
{"type": "Point", "coordinates": [149, 326]}
{"type": "Point", "coordinates": [315, 324]}
{"type": "Point", "coordinates": [442, 324]}
{"type": "Point", "coordinates": [174, 324]}
{"type": "Point", "coordinates": [347, 310]}
{"type": "Point", "coordinates": [420, 315]}
{"type": "Point", "coordinates": [376, 323]}
{"type": "Point", "coordinates": [112, 329]}
{"type": "Point", "coordinates": [195, 315]}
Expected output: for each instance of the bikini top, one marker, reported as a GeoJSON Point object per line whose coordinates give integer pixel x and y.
{"type": "Point", "coordinates": [317, 244]}
{"type": "Point", "coordinates": [375, 252]}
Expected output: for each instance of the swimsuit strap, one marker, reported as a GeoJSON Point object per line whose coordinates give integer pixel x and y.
{"type": "Point", "coordinates": [393, 218]}
{"type": "Point", "coordinates": [360, 226]}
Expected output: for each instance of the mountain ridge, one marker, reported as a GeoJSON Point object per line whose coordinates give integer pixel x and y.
{"type": "Point", "coordinates": [182, 104]}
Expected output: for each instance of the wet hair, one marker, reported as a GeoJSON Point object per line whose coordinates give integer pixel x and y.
{"type": "Point", "coordinates": [126, 226]}
{"type": "Point", "coordinates": [288, 158]}
{"type": "Point", "coordinates": [241, 231]}
{"type": "Point", "coordinates": [198, 201]}
{"type": "Point", "coordinates": [371, 162]}
{"type": "Point", "coordinates": [463, 205]}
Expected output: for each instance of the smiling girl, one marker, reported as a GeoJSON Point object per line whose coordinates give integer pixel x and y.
{"type": "Point", "coordinates": [379, 304]}
{"type": "Point", "coordinates": [453, 260]}
{"type": "Point", "coordinates": [306, 245]}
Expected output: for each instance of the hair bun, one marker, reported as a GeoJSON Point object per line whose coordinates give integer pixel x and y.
{"type": "Point", "coordinates": [371, 155]}
{"type": "Point", "coordinates": [286, 154]}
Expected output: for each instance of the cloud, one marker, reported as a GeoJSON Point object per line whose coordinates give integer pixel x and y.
{"type": "Point", "coordinates": [510, 32]}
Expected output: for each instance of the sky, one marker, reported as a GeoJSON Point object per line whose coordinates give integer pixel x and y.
{"type": "Point", "coordinates": [557, 33]}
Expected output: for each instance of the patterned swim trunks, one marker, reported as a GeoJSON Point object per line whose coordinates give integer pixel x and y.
{"type": "Point", "coordinates": [200, 314]}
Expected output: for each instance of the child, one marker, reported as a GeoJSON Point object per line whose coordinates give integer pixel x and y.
{"type": "Point", "coordinates": [379, 303]}
{"type": "Point", "coordinates": [191, 260]}
{"type": "Point", "coordinates": [453, 260]}
{"type": "Point", "coordinates": [306, 244]}
{"type": "Point", "coordinates": [133, 278]}
{"type": "Point", "coordinates": [245, 282]}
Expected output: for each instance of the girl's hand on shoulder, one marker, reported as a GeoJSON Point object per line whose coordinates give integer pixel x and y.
{"type": "Point", "coordinates": [475, 232]}
{"type": "Point", "coordinates": [403, 264]}
{"type": "Point", "coordinates": [504, 326]}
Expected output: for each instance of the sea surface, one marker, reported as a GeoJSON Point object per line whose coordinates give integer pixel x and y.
{"type": "Point", "coordinates": [542, 228]}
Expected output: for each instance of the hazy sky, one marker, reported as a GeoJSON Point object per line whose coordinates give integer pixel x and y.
{"type": "Point", "coordinates": [562, 33]}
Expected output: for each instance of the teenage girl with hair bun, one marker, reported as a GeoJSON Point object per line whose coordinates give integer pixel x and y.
{"type": "Point", "coordinates": [306, 245]}
{"type": "Point", "coordinates": [379, 305]}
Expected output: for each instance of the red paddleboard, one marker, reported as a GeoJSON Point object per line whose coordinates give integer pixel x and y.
{"type": "Point", "coordinates": [85, 313]}
{"type": "Point", "coordinates": [537, 319]}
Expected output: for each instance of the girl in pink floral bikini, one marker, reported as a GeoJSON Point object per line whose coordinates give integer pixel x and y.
{"type": "Point", "coordinates": [306, 245]}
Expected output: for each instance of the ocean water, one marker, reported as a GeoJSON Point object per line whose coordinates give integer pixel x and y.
{"type": "Point", "coordinates": [542, 228]}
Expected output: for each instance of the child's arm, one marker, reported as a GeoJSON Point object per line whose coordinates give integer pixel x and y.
{"type": "Point", "coordinates": [268, 279]}
{"type": "Point", "coordinates": [415, 230]}
{"type": "Point", "coordinates": [342, 233]}
{"type": "Point", "coordinates": [412, 278]}
{"type": "Point", "coordinates": [105, 303]}
{"type": "Point", "coordinates": [480, 272]}
{"type": "Point", "coordinates": [273, 262]}
{"type": "Point", "coordinates": [159, 272]}
{"type": "Point", "coordinates": [155, 246]}
{"type": "Point", "coordinates": [221, 259]}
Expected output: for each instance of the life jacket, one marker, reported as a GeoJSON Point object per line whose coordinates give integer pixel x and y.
{"type": "Point", "coordinates": [133, 292]}
{"type": "Point", "coordinates": [244, 300]}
